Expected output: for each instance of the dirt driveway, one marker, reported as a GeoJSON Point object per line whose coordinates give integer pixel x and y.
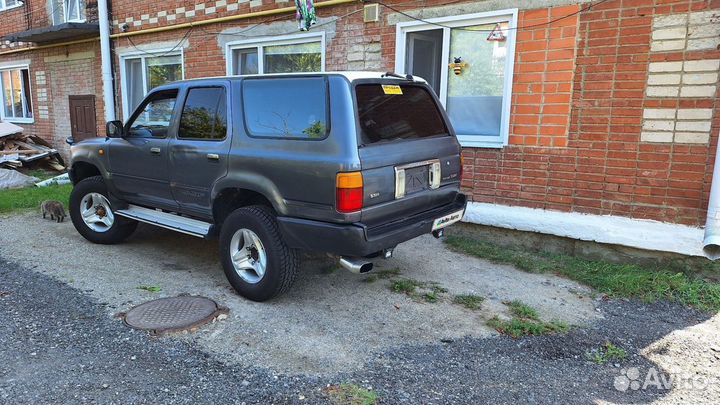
{"type": "Point", "coordinates": [335, 326]}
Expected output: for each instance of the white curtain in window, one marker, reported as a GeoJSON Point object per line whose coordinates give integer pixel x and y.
{"type": "Point", "coordinates": [134, 82]}
{"type": "Point", "coordinates": [15, 91]}
{"type": "Point", "coordinates": [245, 61]}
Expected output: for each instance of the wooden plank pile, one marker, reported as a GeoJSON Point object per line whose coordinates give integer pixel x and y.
{"type": "Point", "coordinates": [21, 150]}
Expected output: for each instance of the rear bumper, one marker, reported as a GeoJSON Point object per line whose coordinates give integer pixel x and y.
{"type": "Point", "coordinates": [358, 239]}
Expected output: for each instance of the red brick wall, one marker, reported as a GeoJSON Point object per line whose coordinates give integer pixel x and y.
{"type": "Point", "coordinates": [76, 77]}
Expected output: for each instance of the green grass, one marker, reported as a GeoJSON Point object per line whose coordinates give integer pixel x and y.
{"type": "Point", "coordinates": [31, 197]}
{"type": "Point", "coordinates": [469, 301]}
{"type": "Point", "coordinates": [150, 288]}
{"type": "Point", "coordinates": [431, 297]}
{"type": "Point", "coordinates": [525, 321]}
{"type": "Point", "coordinates": [382, 275]}
{"type": "Point", "coordinates": [429, 291]}
{"type": "Point", "coordinates": [351, 394]}
{"type": "Point", "coordinates": [405, 285]}
{"type": "Point", "coordinates": [517, 327]}
{"type": "Point", "coordinates": [607, 353]}
{"type": "Point", "coordinates": [615, 280]}
{"type": "Point", "coordinates": [522, 310]}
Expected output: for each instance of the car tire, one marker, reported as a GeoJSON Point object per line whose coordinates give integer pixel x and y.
{"type": "Point", "coordinates": [93, 216]}
{"type": "Point", "coordinates": [250, 244]}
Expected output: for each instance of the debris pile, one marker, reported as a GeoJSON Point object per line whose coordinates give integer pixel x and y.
{"type": "Point", "coordinates": [19, 150]}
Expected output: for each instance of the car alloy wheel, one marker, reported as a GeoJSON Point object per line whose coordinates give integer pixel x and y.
{"type": "Point", "coordinates": [96, 212]}
{"type": "Point", "coordinates": [248, 255]}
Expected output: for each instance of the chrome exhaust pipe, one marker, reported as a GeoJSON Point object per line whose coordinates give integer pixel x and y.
{"type": "Point", "coordinates": [356, 265]}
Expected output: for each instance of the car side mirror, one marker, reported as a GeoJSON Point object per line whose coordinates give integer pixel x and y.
{"type": "Point", "coordinates": [114, 129]}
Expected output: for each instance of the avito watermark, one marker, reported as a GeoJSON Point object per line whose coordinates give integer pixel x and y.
{"type": "Point", "coordinates": [633, 379]}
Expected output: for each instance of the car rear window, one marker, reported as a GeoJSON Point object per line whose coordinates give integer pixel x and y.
{"type": "Point", "coordinates": [388, 113]}
{"type": "Point", "coordinates": [292, 108]}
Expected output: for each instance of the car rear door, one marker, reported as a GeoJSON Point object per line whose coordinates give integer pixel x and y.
{"type": "Point", "coordinates": [409, 155]}
{"type": "Point", "coordinates": [199, 152]}
{"type": "Point", "coordinates": [139, 160]}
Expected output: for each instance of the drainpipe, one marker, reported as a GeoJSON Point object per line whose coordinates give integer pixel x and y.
{"type": "Point", "coordinates": [711, 243]}
{"type": "Point", "coordinates": [107, 79]}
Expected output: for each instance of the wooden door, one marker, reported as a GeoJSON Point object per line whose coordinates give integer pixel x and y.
{"type": "Point", "coordinates": [82, 117]}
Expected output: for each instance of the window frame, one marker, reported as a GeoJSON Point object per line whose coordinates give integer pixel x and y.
{"type": "Point", "coordinates": [21, 120]}
{"type": "Point", "coordinates": [328, 125]}
{"type": "Point", "coordinates": [143, 55]}
{"type": "Point", "coordinates": [4, 6]}
{"type": "Point", "coordinates": [144, 103]}
{"type": "Point", "coordinates": [186, 95]}
{"type": "Point", "coordinates": [261, 42]}
{"type": "Point", "coordinates": [61, 16]}
{"type": "Point", "coordinates": [82, 16]}
{"type": "Point", "coordinates": [466, 20]}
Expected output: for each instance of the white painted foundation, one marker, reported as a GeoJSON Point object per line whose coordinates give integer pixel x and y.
{"type": "Point", "coordinates": [636, 233]}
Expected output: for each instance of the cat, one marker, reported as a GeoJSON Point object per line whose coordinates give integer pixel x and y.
{"type": "Point", "coordinates": [54, 208]}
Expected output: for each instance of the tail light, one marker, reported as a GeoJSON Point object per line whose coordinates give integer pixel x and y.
{"type": "Point", "coordinates": [349, 192]}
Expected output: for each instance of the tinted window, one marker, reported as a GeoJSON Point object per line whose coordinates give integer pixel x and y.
{"type": "Point", "coordinates": [289, 108]}
{"type": "Point", "coordinates": [389, 113]}
{"type": "Point", "coordinates": [153, 119]}
{"type": "Point", "coordinates": [204, 115]}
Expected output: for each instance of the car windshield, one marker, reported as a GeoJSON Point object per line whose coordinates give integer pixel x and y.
{"type": "Point", "coordinates": [396, 112]}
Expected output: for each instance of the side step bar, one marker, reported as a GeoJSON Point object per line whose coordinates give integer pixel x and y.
{"type": "Point", "coordinates": [167, 220]}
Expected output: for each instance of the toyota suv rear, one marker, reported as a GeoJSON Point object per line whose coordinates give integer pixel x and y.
{"type": "Point", "coordinates": [349, 164]}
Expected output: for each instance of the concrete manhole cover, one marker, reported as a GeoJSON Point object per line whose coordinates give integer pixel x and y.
{"type": "Point", "coordinates": [173, 314]}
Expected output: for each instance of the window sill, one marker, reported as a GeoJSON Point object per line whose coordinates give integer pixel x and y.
{"type": "Point", "coordinates": [19, 120]}
{"type": "Point", "coordinates": [472, 141]}
{"type": "Point", "coordinates": [11, 7]}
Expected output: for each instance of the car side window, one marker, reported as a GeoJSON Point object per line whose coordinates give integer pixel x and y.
{"type": "Point", "coordinates": [204, 115]}
{"type": "Point", "coordinates": [153, 119]}
{"type": "Point", "coordinates": [292, 108]}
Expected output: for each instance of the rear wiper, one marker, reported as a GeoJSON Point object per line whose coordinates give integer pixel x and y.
{"type": "Point", "coordinates": [399, 76]}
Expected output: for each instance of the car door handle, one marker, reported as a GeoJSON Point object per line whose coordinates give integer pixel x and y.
{"type": "Point", "coordinates": [155, 151]}
{"type": "Point", "coordinates": [213, 156]}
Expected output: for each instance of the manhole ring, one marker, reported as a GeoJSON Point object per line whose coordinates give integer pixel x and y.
{"type": "Point", "coordinates": [173, 314]}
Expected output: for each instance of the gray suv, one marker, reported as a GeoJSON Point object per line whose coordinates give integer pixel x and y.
{"type": "Point", "coordinates": [349, 164]}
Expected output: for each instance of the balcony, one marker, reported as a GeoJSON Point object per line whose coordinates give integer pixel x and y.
{"type": "Point", "coordinates": [69, 21]}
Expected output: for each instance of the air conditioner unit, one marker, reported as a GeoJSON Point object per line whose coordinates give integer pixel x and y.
{"type": "Point", "coordinates": [371, 13]}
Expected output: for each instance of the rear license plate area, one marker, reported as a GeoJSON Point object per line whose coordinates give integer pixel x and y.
{"type": "Point", "coordinates": [416, 179]}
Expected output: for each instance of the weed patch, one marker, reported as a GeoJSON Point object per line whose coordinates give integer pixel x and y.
{"type": "Point", "coordinates": [469, 301]}
{"type": "Point", "coordinates": [418, 290]}
{"type": "Point", "coordinates": [351, 394]}
{"type": "Point", "coordinates": [382, 275]}
{"type": "Point", "coordinates": [607, 353]}
{"type": "Point", "coordinates": [525, 321]}
{"type": "Point", "coordinates": [150, 288]}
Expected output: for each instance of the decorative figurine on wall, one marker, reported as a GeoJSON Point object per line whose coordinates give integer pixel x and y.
{"type": "Point", "coordinates": [497, 34]}
{"type": "Point", "coordinates": [305, 14]}
{"type": "Point", "coordinates": [458, 66]}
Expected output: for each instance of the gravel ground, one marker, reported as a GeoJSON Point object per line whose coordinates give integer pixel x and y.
{"type": "Point", "coordinates": [60, 343]}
